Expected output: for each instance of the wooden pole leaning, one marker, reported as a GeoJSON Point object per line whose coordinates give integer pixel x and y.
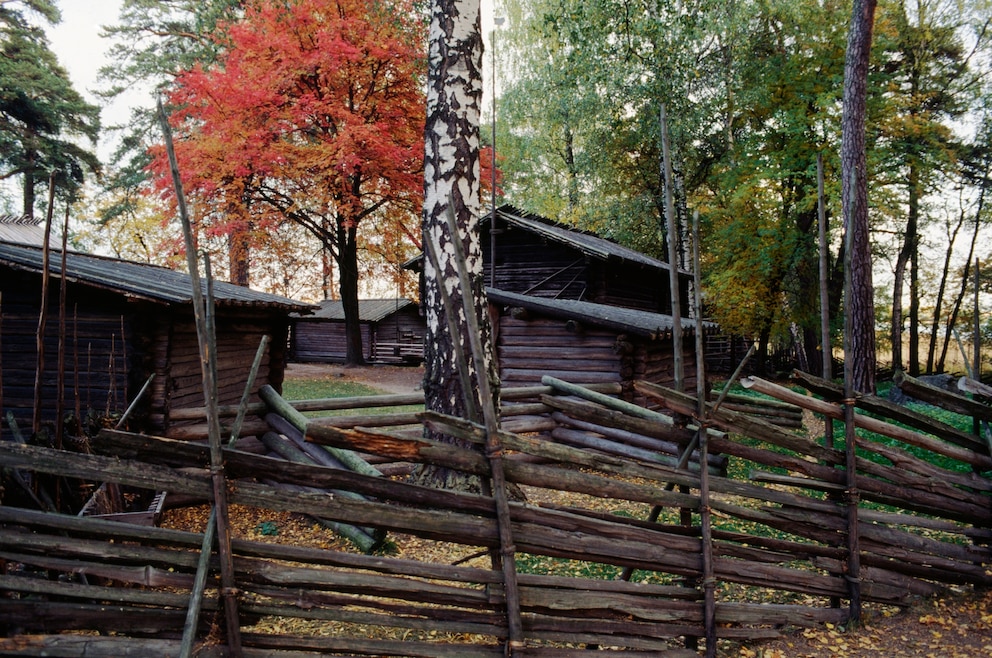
{"type": "Point", "coordinates": [202, 565]}
{"type": "Point", "coordinates": [203, 315]}
{"type": "Point", "coordinates": [494, 450]}
{"type": "Point", "coordinates": [705, 519]}
{"type": "Point", "coordinates": [851, 493]}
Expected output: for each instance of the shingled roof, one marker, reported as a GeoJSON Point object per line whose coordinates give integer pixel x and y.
{"type": "Point", "coordinates": [369, 310]}
{"type": "Point", "coordinates": [25, 230]}
{"type": "Point", "coordinates": [586, 242]}
{"type": "Point", "coordinates": [138, 280]}
{"type": "Point", "coordinates": [640, 323]}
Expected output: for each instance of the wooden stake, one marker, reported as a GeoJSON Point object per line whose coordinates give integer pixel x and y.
{"type": "Point", "coordinates": [60, 386]}
{"type": "Point", "coordinates": [39, 374]}
{"type": "Point", "coordinates": [825, 345]}
{"type": "Point", "coordinates": [673, 250]}
{"type": "Point", "coordinates": [706, 529]}
{"type": "Point", "coordinates": [853, 571]}
{"type": "Point", "coordinates": [204, 321]}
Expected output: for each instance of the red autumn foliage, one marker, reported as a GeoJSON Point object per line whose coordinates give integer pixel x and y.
{"type": "Point", "coordinates": [313, 114]}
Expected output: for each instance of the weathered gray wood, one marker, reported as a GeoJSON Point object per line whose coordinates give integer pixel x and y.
{"type": "Point", "coordinates": [881, 407]}
{"type": "Point", "coordinates": [975, 387]}
{"type": "Point", "coordinates": [946, 399]}
{"type": "Point", "coordinates": [300, 422]}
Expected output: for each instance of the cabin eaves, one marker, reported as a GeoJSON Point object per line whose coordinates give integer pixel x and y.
{"type": "Point", "coordinates": [654, 326]}
{"type": "Point", "coordinates": [587, 243]}
{"type": "Point", "coordinates": [139, 281]}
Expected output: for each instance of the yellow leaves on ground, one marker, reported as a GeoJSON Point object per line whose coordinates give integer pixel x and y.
{"type": "Point", "coordinates": [951, 627]}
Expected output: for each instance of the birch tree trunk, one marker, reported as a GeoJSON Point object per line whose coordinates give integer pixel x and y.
{"type": "Point", "coordinates": [452, 175]}
{"type": "Point", "coordinates": [860, 303]}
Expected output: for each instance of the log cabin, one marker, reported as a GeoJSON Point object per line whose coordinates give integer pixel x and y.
{"type": "Point", "coordinates": [392, 332]}
{"type": "Point", "coordinates": [123, 322]}
{"type": "Point", "coordinates": [587, 343]}
{"type": "Point", "coordinates": [543, 258]}
{"type": "Point", "coordinates": [571, 304]}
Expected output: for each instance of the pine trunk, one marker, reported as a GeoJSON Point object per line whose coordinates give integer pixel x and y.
{"type": "Point", "coordinates": [860, 306]}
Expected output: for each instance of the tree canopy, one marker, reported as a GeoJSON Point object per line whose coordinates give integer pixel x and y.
{"type": "Point", "coordinates": [42, 117]}
{"type": "Point", "coordinates": [312, 115]}
{"type": "Point", "coordinates": [753, 94]}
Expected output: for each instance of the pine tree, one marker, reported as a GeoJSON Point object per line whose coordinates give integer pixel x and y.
{"type": "Point", "coordinates": [41, 114]}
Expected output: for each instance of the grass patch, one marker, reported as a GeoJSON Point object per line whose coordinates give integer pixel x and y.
{"type": "Point", "coordinates": [326, 387]}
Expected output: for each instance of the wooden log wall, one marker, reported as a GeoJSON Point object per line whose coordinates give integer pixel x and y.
{"type": "Point", "coordinates": [99, 356]}
{"type": "Point", "coordinates": [526, 264]}
{"type": "Point", "coordinates": [399, 338]}
{"type": "Point", "coordinates": [175, 359]}
{"type": "Point", "coordinates": [530, 349]}
{"type": "Point", "coordinates": [779, 531]}
{"type": "Point", "coordinates": [323, 341]}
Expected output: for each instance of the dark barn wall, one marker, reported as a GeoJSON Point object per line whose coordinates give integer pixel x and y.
{"type": "Point", "coordinates": [631, 286]}
{"type": "Point", "coordinates": [323, 341]}
{"type": "Point", "coordinates": [530, 349]}
{"type": "Point", "coordinates": [654, 361]}
{"type": "Point", "coordinates": [104, 372]}
{"type": "Point", "coordinates": [529, 264]}
{"type": "Point", "coordinates": [584, 354]}
{"type": "Point", "coordinates": [101, 368]}
{"type": "Point", "coordinates": [174, 355]}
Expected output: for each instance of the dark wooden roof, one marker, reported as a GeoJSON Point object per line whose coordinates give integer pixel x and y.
{"type": "Point", "coordinates": [369, 310]}
{"type": "Point", "coordinates": [640, 323]}
{"type": "Point", "coordinates": [138, 280]}
{"type": "Point", "coordinates": [586, 242]}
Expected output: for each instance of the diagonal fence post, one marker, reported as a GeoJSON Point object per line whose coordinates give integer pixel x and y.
{"type": "Point", "coordinates": [203, 315]}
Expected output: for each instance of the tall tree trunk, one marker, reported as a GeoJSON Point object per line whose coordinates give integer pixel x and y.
{"type": "Point", "coordinates": [938, 308]}
{"type": "Point", "coordinates": [860, 304]}
{"type": "Point", "coordinates": [451, 176]}
{"type": "Point", "coordinates": [348, 287]}
{"type": "Point", "coordinates": [914, 311]}
{"type": "Point", "coordinates": [965, 280]}
{"type": "Point", "coordinates": [29, 183]}
{"type": "Point", "coordinates": [907, 256]}
{"type": "Point", "coordinates": [898, 283]}
{"type": "Point", "coordinates": [239, 258]}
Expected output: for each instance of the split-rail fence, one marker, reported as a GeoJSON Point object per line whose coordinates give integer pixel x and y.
{"type": "Point", "coordinates": [650, 554]}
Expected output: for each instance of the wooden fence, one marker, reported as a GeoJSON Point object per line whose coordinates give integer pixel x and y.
{"type": "Point", "coordinates": [612, 513]}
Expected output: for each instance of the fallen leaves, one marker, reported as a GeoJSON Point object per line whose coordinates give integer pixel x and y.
{"type": "Point", "coordinates": [956, 626]}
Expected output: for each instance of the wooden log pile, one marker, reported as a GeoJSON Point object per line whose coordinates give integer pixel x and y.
{"type": "Point", "coordinates": [781, 529]}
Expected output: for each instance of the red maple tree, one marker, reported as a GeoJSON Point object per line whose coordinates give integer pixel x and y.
{"type": "Point", "coordinates": [314, 114]}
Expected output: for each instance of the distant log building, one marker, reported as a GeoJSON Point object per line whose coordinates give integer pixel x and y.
{"type": "Point", "coordinates": [574, 305]}
{"type": "Point", "coordinates": [539, 257]}
{"type": "Point", "coordinates": [392, 332]}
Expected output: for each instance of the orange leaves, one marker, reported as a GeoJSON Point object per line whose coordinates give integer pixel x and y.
{"type": "Point", "coordinates": [314, 106]}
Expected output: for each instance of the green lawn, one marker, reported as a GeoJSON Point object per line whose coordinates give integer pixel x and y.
{"type": "Point", "coordinates": [318, 389]}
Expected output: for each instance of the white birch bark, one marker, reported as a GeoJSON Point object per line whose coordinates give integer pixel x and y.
{"type": "Point", "coordinates": [452, 175]}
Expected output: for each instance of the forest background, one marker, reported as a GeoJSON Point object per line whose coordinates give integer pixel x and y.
{"type": "Point", "coordinates": [752, 91]}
